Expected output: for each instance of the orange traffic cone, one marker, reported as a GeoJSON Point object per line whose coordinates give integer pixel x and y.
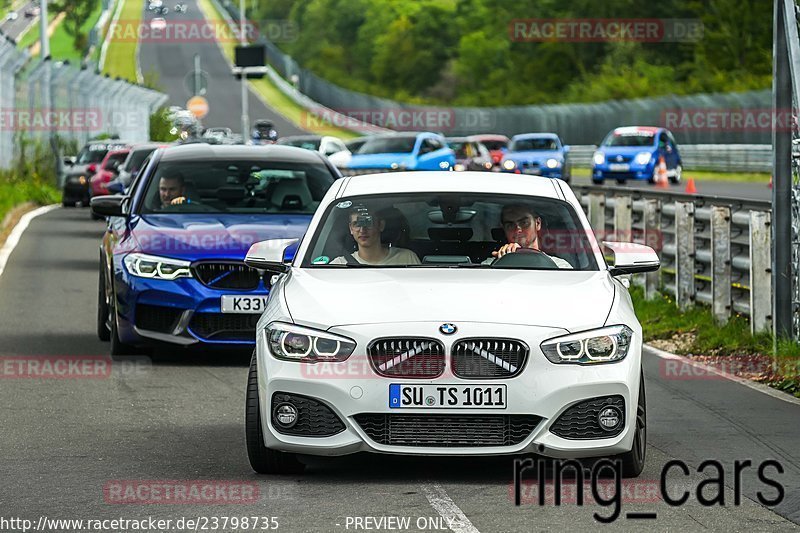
{"type": "Point", "coordinates": [661, 174]}
{"type": "Point", "coordinates": [690, 187]}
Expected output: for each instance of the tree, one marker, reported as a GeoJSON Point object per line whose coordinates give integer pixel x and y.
{"type": "Point", "coordinates": [76, 13]}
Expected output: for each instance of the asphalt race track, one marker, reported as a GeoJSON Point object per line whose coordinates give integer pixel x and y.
{"type": "Point", "coordinates": [173, 61]}
{"type": "Point", "coordinates": [14, 28]}
{"type": "Point", "coordinates": [178, 418]}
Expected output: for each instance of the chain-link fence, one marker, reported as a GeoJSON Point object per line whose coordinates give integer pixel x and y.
{"type": "Point", "coordinates": [42, 100]}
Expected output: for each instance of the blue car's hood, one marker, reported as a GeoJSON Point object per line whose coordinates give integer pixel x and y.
{"type": "Point", "coordinates": [626, 150]}
{"type": "Point", "coordinates": [534, 155]}
{"type": "Point", "coordinates": [211, 236]}
{"type": "Point", "coordinates": [379, 160]}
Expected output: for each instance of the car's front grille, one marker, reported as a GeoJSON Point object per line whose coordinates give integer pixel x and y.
{"type": "Point", "coordinates": [157, 318]}
{"type": "Point", "coordinates": [488, 358]}
{"type": "Point", "coordinates": [314, 418]}
{"type": "Point", "coordinates": [222, 326]}
{"type": "Point", "coordinates": [619, 158]}
{"type": "Point", "coordinates": [581, 420]}
{"type": "Point", "coordinates": [619, 175]}
{"type": "Point", "coordinates": [407, 357]}
{"type": "Point", "coordinates": [438, 430]}
{"type": "Point", "coordinates": [227, 275]}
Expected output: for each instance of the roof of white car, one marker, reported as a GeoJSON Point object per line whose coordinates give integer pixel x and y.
{"type": "Point", "coordinates": [444, 181]}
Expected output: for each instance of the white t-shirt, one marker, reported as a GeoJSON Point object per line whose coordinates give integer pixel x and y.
{"type": "Point", "coordinates": [396, 256]}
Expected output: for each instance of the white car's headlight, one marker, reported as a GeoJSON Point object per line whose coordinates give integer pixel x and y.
{"type": "Point", "coordinates": [586, 347]}
{"type": "Point", "coordinates": [509, 164]}
{"type": "Point", "coordinates": [151, 266]}
{"type": "Point", "coordinates": [642, 158]}
{"type": "Point", "coordinates": [298, 343]}
{"type": "Point", "coordinates": [553, 163]}
{"type": "Point", "coordinates": [599, 158]}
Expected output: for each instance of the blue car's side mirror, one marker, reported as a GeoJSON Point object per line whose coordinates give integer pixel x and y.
{"type": "Point", "coordinates": [566, 148]}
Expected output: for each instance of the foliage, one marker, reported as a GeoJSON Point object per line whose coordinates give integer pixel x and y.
{"type": "Point", "coordinates": [462, 51]}
{"type": "Point", "coordinates": [76, 14]}
{"type": "Point", "coordinates": [160, 127]}
{"type": "Point", "coordinates": [31, 178]}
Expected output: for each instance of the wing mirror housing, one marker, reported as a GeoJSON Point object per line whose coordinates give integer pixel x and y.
{"type": "Point", "coordinates": [108, 206]}
{"type": "Point", "coordinates": [632, 258]}
{"type": "Point", "coordinates": [269, 255]}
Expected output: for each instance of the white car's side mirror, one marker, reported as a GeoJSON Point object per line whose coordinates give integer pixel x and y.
{"type": "Point", "coordinates": [632, 258]}
{"type": "Point", "coordinates": [268, 255]}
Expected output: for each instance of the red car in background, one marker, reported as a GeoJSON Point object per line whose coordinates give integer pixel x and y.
{"type": "Point", "coordinates": [496, 144]}
{"type": "Point", "coordinates": [107, 171]}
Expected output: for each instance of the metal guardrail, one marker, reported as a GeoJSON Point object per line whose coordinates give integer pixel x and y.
{"type": "Point", "coordinates": [713, 250]}
{"type": "Point", "coordinates": [715, 157]}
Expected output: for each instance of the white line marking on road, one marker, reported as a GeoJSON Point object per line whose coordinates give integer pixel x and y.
{"type": "Point", "coordinates": [769, 391]}
{"type": "Point", "coordinates": [16, 233]}
{"type": "Point", "coordinates": [456, 520]}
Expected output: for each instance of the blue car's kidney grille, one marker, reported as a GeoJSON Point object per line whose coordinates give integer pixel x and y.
{"type": "Point", "coordinates": [227, 275]}
{"type": "Point", "coordinates": [619, 159]}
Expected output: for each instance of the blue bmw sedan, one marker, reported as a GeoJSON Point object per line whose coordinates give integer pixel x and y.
{"type": "Point", "coordinates": [172, 260]}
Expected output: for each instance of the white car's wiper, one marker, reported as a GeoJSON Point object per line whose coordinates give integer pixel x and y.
{"type": "Point", "coordinates": [449, 265]}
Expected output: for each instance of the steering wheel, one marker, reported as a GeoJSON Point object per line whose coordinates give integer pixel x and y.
{"type": "Point", "coordinates": [525, 258]}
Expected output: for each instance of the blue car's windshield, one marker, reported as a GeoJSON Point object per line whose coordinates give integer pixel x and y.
{"type": "Point", "coordinates": [388, 145]}
{"type": "Point", "coordinates": [256, 186]}
{"type": "Point", "coordinates": [527, 145]}
{"type": "Point", "coordinates": [630, 138]}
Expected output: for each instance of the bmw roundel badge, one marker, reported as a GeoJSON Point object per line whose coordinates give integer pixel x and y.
{"type": "Point", "coordinates": [448, 329]}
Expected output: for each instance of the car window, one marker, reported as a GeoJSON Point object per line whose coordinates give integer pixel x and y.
{"type": "Point", "coordinates": [446, 229]}
{"type": "Point", "coordinates": [137, 157]}
{"type": "Point", "coordinates": [256, 186]}
{"type": "Point", "coordinates": [482, 150]}
{"type": "Point", "coordinates": [388, 145]}
{"type": "Point", "coordinates": [308, 144]}
{"type": "Point", "coordinates": [495, 145]}
{"type": "Point", "coordinates": [630, 138]}
{"type": "Point", "coordinates": [527, 145]}
{"type": "Point", "coordinates": [116, 157]}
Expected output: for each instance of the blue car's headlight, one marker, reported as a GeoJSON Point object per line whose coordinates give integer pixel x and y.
{"type": "Point", "coordinates": [642, 158]}
{"type": "Point", "coordinates": [298, 343]}
{"type": "Point", "coordinates": [552, 163]}
{"type": "Point", "coordinates": [599, 158]}
{"type": "Point", "coordinates": [586, 347]}
{"type": "Point", "coordinates": [152, 266]}
{"type": "Point", "coordinates": [509, 164]}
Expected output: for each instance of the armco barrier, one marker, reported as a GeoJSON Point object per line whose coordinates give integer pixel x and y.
{"type": "Point", "coordinates": [713, 250]}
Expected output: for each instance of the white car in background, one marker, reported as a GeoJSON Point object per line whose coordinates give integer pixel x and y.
{"type": "Point", "coordinates": [12, 15]}
{"type": "Point", "coordinates": [329, 146]}
{"type": "Point", "coordinates": [441, 349]}
{"type": "Point", "coordinates": [158, 23]}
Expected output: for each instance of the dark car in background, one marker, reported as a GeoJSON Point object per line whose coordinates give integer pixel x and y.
{"type": "Point", "coordinates": [172, 260]}
{"type": "Point", "coordinates": [470, 154]}
{"type": "Point", "coordinates": [539, 154]}
{"type": "Point", "coordinates": [77, 173]}
{"type": "Point", "coordinates": [635, 153]}
{"type": "Point", "coordinates": [132, 165]}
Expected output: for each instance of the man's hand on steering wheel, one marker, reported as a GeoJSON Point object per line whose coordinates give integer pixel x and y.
{"type": "Point", "coordinates": [507, 249]}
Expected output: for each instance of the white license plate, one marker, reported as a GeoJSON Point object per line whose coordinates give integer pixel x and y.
{"type": "Point", "coordinates": [618, 167]}
{"type": "Point", "coordinates": [405, 396]}
{"type": "Point", "coordinates": [536, 171]}
{"type": "Point", "coordinates": [243, 304]}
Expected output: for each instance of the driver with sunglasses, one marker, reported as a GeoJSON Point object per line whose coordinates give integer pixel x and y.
{"type": "Point", "coordinates": [521, 226]}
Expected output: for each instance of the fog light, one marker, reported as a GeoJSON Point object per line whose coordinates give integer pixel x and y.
{"type": "Point", "coordinates": [609, 418]}
{"type": "Point", "coordinates": [285, 414]}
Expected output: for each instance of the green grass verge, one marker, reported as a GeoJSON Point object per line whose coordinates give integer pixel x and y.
{"type": "Point", "coordinates": [700, 334]}
{"type": "Point", "coordinates": [32, 35]}
{"type": "Point", "coordinates": [17, 192]}
{"type": "Point", "coordinates": [62, 44]}
{"type": "Point", "coordinates": [700, 175]}
{"type": "Point", "coordinates": [121, 58]}
{"type": "Point", "coordinates": [269, 91]}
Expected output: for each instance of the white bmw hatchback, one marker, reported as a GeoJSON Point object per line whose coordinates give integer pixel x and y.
{"type": "Point", "coordinates": [440, 313]}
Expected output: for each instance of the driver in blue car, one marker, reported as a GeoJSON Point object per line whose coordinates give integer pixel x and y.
{"type": "Point", "coordinates": [522, 226]}
{"type": "Point", "coordinates": [172, 190]}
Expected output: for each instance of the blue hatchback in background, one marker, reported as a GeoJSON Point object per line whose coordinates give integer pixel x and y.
{"type": "Point", "coordinates": [402, 151]}
{"type": "Point", "coordinates": [539, 154]}
{"type": "Point", "coordinates": [172, 260]}
{"type": "Point", "coordinates": [634, 153]}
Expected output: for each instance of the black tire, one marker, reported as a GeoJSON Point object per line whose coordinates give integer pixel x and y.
{"type": "Point", "coordinates": [117, 346]}
{"type": "Point", "coordinates": [677, 177]}
{"type": "Point", "coordinates": [262, 459]}
{"type": "Point", "coordinates": [66, 203]}
{"type": "Point", "coordinates": [597, 181]}
{"type": "Point", "coordinates": [633, 461]}
{"type": "Point", "coordinates": [103, 331]}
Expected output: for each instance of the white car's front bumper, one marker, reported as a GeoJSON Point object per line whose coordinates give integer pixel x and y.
{"type": "Point", "coordinates": [542, 388]}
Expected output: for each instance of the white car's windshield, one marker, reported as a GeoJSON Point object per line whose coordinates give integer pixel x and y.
{"type": "Point", "coordinates": [446, 230]}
